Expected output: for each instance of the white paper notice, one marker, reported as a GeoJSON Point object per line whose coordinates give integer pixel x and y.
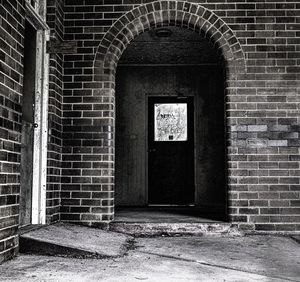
{"type": "Point", "coordinates": [170, 122]}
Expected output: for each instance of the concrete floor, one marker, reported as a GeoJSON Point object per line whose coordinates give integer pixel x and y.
{"type": "Point", "coordinates": [166, 215]}
{"type": "Point", "coordinates": [207, 258]}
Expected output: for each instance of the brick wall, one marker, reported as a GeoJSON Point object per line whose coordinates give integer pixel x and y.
{"type": "Point", "coordinates": [55, 18]}
{"type": "Point", "coordinates": [11, 80]}
{"type": "Point", "coordinates": [262, 102]}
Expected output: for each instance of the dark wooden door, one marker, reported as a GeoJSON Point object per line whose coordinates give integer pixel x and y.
{"type": "Point", "coordinates": [26, 176]}
{"type": "Point", "coordinates": [170, 150]}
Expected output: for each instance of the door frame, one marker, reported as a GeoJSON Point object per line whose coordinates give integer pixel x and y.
{"type": "Point", "coordinates": [40, 135]}
{"type": "Point", "coordinates": [170, 95]}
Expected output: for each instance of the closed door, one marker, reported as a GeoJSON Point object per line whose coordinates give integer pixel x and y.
{"type": "Point", "coordinates": [26, 173]}
{"type": "Point", "coordinates": [28, 108]}
{"type": "Point", "coordinates": [170, 151]}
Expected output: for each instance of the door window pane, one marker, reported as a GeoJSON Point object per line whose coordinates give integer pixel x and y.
{"type": "Point", "coordinates": [170, 122]}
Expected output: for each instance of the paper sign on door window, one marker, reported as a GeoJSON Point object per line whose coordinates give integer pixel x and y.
{"type": "Point", "coordinates": [170, 122]}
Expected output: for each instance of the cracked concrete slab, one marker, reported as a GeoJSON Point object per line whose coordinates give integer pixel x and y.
{"type": "Point", "coordinates": [145, 229]}
{"type": "Point", "coordinates": [74, 241]}
{"type": "Point", "coordinates": [275, 257]}
{"type": "Point", "coordinates": [172, 259]}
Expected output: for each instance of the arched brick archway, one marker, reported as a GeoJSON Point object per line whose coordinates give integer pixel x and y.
{"type": "Point", "coordinates": [166, 13]}
{"type": "Point", "coordinates": [141, 19]}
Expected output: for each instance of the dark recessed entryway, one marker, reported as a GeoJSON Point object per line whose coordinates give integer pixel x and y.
{"type": "Point", "coordinates": [170, 125]}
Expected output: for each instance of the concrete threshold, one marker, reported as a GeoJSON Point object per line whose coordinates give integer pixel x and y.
{"type": "Point", "coordinates": [171, 221]}
{"type": "Point", "coordinates": [69, 240]}
{"type": "Point", "coordinates": [146, 229]}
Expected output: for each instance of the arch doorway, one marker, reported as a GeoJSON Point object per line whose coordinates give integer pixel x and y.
{"type": "Point", "coordinates": [170, 124]}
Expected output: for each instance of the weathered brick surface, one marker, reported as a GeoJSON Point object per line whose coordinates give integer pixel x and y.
{"type": "Point", "coordinates": [260, 43]}
{"type": "Point", "coordinates": [11, 81]}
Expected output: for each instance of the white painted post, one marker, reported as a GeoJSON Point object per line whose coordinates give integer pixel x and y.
{"type": "Point", "coordinates": [44, 131]}
{"type": "Point", "coordinates": [40, 135]}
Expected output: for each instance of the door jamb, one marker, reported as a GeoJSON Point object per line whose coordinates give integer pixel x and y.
{"type": "Point", "coordinates": [40, 135]}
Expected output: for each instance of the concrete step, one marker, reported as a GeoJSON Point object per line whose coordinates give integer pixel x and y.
{"type": "Point", "coordinates": [174, 229]}
{"type": "Point", "coordinates": [70, 240]}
